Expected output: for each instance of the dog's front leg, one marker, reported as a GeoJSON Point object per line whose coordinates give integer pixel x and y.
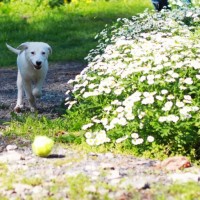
{"type": "Point", "coordinates": [37, 90]}
{"type": "Point", "coordinates": [19, 104]}
{"type": "Point", "coordinates": [29, 95]}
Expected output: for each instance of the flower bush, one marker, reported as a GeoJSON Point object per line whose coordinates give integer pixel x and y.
{"type": "Point", "coordinates": [141, 88]}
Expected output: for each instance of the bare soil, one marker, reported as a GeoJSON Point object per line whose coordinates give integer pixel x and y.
{"type": "Point", "coordinates": [53, 90]}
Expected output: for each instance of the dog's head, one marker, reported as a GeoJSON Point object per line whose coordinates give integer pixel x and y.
{"type": "Point", "coordinates": [36, 52]}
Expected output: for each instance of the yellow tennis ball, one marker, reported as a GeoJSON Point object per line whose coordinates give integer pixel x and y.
{"type": "Point", "coordinates": [42, 146]}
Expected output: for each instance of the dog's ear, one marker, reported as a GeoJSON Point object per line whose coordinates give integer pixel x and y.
{"type": "Point", "coordinates": [49, 49]}
{"type": "Point", "coordinates": [23, 46]}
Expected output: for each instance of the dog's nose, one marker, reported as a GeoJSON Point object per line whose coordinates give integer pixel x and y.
{"type": "Point", "coordinates": [38, 63]}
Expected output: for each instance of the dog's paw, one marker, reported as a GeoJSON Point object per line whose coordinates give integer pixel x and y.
{"type": "Point", "coordinates": [18, 108]}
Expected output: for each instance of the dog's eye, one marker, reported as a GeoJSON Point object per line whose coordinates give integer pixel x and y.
{"type": "Point", "coordinates": [43, 53]}
{"type": "Point", "coordinates": [32, 52]}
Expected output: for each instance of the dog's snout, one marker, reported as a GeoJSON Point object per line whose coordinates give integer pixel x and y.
{"type": "Point", "coordinates": [38, 63]}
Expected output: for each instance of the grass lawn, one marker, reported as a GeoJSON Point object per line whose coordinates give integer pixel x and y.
{"type": "Point", "coordinates": [69, 29]}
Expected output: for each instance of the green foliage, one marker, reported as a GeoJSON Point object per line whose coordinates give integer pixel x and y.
{"type": "Point", "coordinates": [69, 29]}
{"type": "Point", "coordinates": [141, 86]}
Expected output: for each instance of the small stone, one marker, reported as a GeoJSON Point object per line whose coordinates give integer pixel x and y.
{"type": "Point", "coordinates": [90, 188]}
{"type": "Point", "coordinates": [114, 174]}
{"type": "Point", "coordinates": [102, 191]}
{"type": "Point", "coordinates": [11, 156]}
{"type": "Point", "coordinates": [107, 166]}
{"type": "Point", "coordinates": [184, 177]}
{"type": "Point", "coordinates": [109, 155]}
{"type": "Point", "coordinates": [11, 147]}
{"type": "Point", "coordinates": [138, 183]}
{"type": "Point", "coordinates": [175, 163]}
{"type": "Point", "coordinates": [91, 167]}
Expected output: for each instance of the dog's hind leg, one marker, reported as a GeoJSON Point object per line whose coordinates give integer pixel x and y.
{"type": "Point", "coordinates": [19, 104]}
{"type": "Point", "coordinates": [29, 95]}
{"type": "Point", "coordinates": [37, 90]}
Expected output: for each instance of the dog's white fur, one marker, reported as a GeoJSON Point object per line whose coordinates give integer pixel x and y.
{"type": "Point", "coordinates": [32, 63]}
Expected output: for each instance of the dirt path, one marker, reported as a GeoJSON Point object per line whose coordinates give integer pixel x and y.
{"type": "Point", "coordinates": [53, 91]}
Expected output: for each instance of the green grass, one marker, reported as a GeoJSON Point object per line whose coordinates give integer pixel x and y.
{"type": "Point", "coordinates": [69, 29]}
{"type": "Point", "coordinates": [178, 191]}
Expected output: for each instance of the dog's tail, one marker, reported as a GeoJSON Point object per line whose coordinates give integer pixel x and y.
{"type": "Point", "coordinates": [17, 51]}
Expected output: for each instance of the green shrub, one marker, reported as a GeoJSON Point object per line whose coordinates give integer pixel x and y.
{"type": "Point", "coordinates": [141, 88]}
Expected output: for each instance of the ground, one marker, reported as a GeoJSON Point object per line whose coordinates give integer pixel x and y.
{"type": "Point", "coordinates": [97, 175]}
{"type": "Point", "coordinates": [53, 91]}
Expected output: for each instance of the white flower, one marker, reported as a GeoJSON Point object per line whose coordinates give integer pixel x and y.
{"type": "Point", "coordinates": [188, 81]}
{"type": "Point", "coordinates": [122, 121]}
{"type": "Point", "coordinates": [97, 121]}
{"type": "Point", "coordinates": [179, 104]}
{"type": "Point", "coordinates": [107, 90]}
{"type": "Point", "coordinates": [85, 83]}
{"type": "Point", "coordinates": [116, 102]}
{"type": "Point", "coordinates": [172, 118]}
{"type": "Point", "coordinates": [104, 121]}
{"type": "Point", "coordinates": [87, 94]}
{"type": "Point", "coordinates": [70, 81]}
{"type": "Point", "coordinates": [86, 126]}
{"type": "Point", "coordinates": [170, 97]}
{"type": "Point", "coordinates": [66, 99]}
{"type": "Point", "coordinates": [158, 97]}
{"type": "Point", "coordinates": [148, 100]}
{"type": "Point", "coordinates": [150, 77]}
{"type": "Point", "coordinates": [118, 91]}
{"type": "Point", "coordinates": [71, 103]}
{"type": "Point", "coordinates": [137, 141]}
{"type": "Point", "coordinates": [164, 91]}
{"type": "Point", "coordinates": [135, 135]}
{"type": "Point", "coordinates": [170, 80]}
{"type": "Point", "coordinates": [157, 76]}
{"type": "Point", "coordinates": [142, 78]}
{"type": "Point", "coordinates": [162, 119]}
{"type": "Point", "coordinates": [90, 142]}
{"type": "Point", "coordinates": [114, 121]}
{"type": "Point", "coordinates": [92, 86]}
{"type": "Point", "coordinates": [141, 125]}
{"type": "Point", "coordinates": [168, 105]}
{"type": "Point", "coordinates": [150, 138]}
{"type": "Point", "coordinates": [151, 81]}
{"type": "Point", "coordinates": [120, 109]}
{"type": "Point", "coordinates": [187, 99]}
{"type": "Point", "coordinates": [88, 135]}
{"type": "Point", "coordinates": [141, 115]}
{"type": "Point", "coordinates": [108, 108]}
{"type": "Point", "coordinates": [194, 108]}
{"type": "Point", "coordinates": [175, 75]}
{"type": "Point", "coordinates": [134, 141]}
{"type": "Point", "coordinates": [119, 140]}
{"type": "Point", "coordinates": [182, 87]}
{"type": "Point", "coordinates": [198, 76]}
{"type": "Point", "coordinates": [129, 116]}
{"type": "Point", "coordinates": [68, 91]}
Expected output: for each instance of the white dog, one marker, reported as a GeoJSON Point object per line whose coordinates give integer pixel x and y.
{"type": "Point", "coordinates": [32, 69]}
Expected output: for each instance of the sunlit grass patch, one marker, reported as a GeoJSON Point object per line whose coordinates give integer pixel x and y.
{"type": "Point", "coordinates": [186, 191]}
{"type": "Point", "coordinates": [69, 29]}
